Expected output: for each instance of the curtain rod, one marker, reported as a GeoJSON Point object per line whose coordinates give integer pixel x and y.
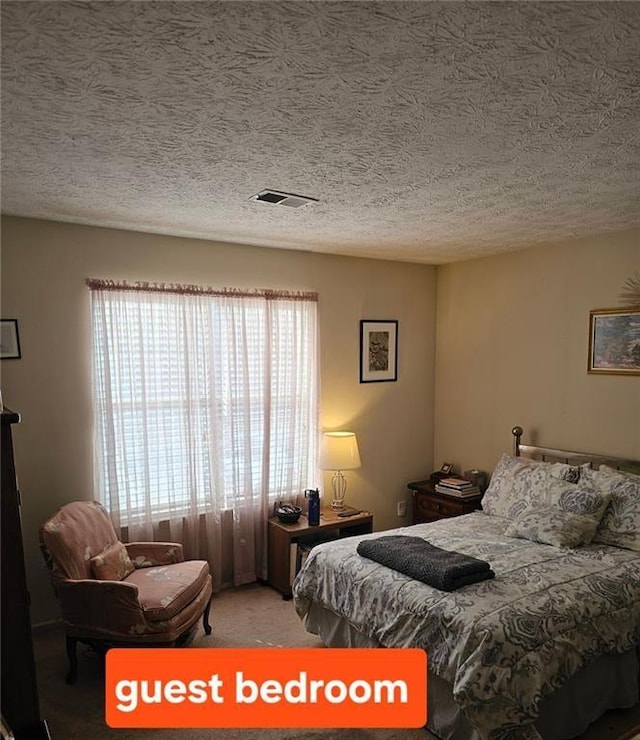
{"type": "Point", "coordinates": [146, 287]}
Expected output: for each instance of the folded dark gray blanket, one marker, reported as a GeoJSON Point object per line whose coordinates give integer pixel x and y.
{"type": "Point", "coordinates": [443, 569]}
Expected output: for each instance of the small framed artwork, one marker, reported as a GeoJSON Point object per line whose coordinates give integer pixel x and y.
{"type": "Point", "coordinates": [446, 468]}
{"type": "Point", "coordinates": [9, 340]}
{"type": "Point", "coordinates": [614, 341]}
{"type": "Point", "coordinates": [378, 351]}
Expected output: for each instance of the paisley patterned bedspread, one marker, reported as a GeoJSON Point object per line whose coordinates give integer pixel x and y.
{"type": "Point", "coordinates": [502, 644]}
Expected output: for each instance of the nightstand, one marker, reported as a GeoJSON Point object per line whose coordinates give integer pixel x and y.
{"type": "Point", "coordinates": [286, 542]}
{"type": "Point", "coordinates": [429, 505]}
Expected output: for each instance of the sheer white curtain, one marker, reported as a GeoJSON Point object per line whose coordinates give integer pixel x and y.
{"type": "Point", "coordinates": [206, 413]}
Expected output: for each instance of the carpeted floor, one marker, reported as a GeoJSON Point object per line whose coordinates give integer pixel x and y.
{"type": "Point", "coordinates": [252, 616]}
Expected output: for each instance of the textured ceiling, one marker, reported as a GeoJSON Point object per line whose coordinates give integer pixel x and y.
{"type": "Point", "coordinates": [428, 131]}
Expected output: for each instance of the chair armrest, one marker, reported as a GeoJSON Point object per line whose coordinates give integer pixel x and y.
{"type": "Point", "coordinates": [146, 554]}
{"type": "Point", "coordinates": [112, 606]}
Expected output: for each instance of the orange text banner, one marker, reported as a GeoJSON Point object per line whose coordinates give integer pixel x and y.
{"type": "Point", "coordinates": [279, 687]}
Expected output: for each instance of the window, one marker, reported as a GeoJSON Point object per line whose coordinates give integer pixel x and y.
{"type": "Point", "coordinates": [205, 401]}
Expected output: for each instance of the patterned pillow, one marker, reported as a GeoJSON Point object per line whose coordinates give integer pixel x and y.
{"type": "Point", "coordinates": [112, 564]}
{"type": "Point", "coordinates": [620, 525]}
{"type": "Point", "coordinates": [578, 499]}
{"type": "Point", "coordinates": [518, 483]}
{"type": "Point", "coordinates": [553, 526]}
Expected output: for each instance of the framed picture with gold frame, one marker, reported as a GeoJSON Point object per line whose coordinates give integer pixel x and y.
{"type": "Point", "coordinates": [614, 341]}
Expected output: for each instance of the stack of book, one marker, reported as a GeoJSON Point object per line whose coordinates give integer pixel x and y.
{"type": "Point", "coordinates": [457, 487]}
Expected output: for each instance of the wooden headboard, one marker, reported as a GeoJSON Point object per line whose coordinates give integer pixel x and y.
{"type": "Point", "coordinates": [570, 457]}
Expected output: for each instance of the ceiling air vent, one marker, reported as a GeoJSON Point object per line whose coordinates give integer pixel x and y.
{"type": "Point", "coordinates": [276, 198]}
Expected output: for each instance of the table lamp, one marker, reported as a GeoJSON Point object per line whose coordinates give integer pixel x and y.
{"type": "Point", "coordinates": [339, 452]}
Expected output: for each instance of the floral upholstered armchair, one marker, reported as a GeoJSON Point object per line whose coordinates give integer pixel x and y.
{"type": "Point", "coordinates": [114, 594]}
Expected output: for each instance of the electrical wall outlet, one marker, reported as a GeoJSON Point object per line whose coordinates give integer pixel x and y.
{"type": "Point", "coordinates": [402, 508]}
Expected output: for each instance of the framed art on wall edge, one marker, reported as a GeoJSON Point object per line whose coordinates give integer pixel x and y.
{"type": "Point", "coordinates": [614, 341]}
{"type": "Point", "coordinates": [9, 340]}
{"type": "Point", "coordinates": [378, 351]}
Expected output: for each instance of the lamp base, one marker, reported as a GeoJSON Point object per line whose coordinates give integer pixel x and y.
{"type": "Point", "coordinates": [339, 486]}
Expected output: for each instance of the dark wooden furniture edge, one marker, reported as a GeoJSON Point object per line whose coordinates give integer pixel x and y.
{"type": "Point", "coordinates": [20, 701]}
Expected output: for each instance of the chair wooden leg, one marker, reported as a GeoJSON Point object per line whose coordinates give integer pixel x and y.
{"type": "Point", "coordinates": [205, 618]}
{"type": "Point", "coordinates": [73, 660]}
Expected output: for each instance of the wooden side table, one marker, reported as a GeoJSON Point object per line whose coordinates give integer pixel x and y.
{"type": "Point", "coordinates": [429, 505]}
{"type": "Point", "coordinates": [284, 542]}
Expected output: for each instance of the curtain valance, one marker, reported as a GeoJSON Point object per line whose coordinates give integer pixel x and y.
{"type": "Point", "coordinates": [187, 289]}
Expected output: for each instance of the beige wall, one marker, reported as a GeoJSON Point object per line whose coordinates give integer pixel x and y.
{"type": "Point", "coordinates": [44, 265]}
{"type": "Point", "coordinates": [511, 348]}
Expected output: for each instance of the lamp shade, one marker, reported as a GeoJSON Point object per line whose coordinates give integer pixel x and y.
{"type": "Point", "coordinates": [339, 451]}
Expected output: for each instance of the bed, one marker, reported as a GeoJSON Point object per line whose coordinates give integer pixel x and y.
{"type": "Point", "coordinates": [540, 650]}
